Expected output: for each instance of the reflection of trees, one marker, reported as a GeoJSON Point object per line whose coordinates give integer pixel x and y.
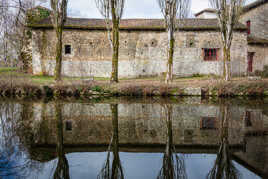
{"type": "Point", "coordinates": [62, 170]}
{"type": "Point", "coordinates": [14, 159]}
{"type": "Point", "coordinates": [224, 166]}
{"type": "Point", "coordinates": [173, 164]}
{"type": "Point", "coordinates": [115, 171]}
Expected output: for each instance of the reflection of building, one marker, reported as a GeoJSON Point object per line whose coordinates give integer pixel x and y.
{"type": "Point", "coordinates": [142, 128]}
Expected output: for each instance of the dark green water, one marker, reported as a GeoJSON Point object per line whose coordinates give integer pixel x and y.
{"type": "Point", "coordinates": [134, 139]}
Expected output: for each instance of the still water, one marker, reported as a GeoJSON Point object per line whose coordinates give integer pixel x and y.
{"type": "Point", "coordinates": [134, 139]}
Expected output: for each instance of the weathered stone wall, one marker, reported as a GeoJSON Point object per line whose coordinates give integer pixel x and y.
{"type": "Point", "coordinates": [140, 123]}
{"type": "Point", "coordinates": [258, 18]}
{"type": "Point", "coordinates": [260, 58]}
{"type": "Point", "coordinates": [142, 53]}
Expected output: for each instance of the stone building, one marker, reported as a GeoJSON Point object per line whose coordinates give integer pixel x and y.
{"type": "Point", "coordinates": [255, 17]}
{"type": "Point", "coordinates": [143, 44]}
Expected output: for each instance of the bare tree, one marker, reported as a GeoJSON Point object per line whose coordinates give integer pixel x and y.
{"type": "Point", "coordinates": [114, 171]}
{"type": "Point", "coordinates": [112, 9]}
{"type": "Point", "coordinates": [224, 166]}
{"type": "Point", "coordinates": [171, 9]}
{"type": "Point", "coordinates": [14, 34]}
{"type": "Point", "coordinates": [228, 13]}
{"type": "Point", "coordinates": [173, 164]}
{"type": "Point", "coordinates": [59, 16]}
{"type": "Point", "coordinates": [62, 170]}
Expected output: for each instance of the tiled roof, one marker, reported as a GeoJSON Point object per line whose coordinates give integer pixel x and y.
{"type": "Point", "coordinates": [254, 5]}
{"type": "Point", "coordinates": [206, 10]}
{"type": "Point", "coordinates": [136, 24]}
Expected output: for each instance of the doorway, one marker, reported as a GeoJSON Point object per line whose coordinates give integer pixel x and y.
{"type": "Point", "coordinates": [250, 61]}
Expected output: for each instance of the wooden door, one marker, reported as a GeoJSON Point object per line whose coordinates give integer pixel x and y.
{"type": "Point", "coordinates": [250, 61]}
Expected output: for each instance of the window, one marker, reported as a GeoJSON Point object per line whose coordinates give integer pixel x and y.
{"type": "Point", "coordinates": [68, 126]}
{"type": "Point", "coordinates": [248, 26]}
{"type": "Point", "coordinates": [190, 41]}
{"type": "Point", "coordinates": [210, 54]}
{"type": "Point", "coordinates": [248, 119]}
{"type": "Point", "coordinates": [208, 123]}
{"type": "Point", "coordinates": [68, 49]}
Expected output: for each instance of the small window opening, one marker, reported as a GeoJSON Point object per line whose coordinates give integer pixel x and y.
{"type": "Point", "coordinates": [68, 49]}
{"type": "Point", "coordinates": [248, 27]}
{"type": "Point", "coordinates": [208, 123]}
{"type": "Point", "coordinates": [248, 122]}
{"type": "Point", "coordinates": [210, 54]}
{"type": "Point", "coordinates": [68, 126]}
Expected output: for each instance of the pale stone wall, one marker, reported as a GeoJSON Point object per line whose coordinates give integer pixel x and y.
{"type": "Point", "coordinates": [207, 15]}
{"type": "Point", "coordinates": [260, 58]}
{"type": "Point", "coordinates": [142, 53]}
{"type": "Point", "coordinates": [259, 21]}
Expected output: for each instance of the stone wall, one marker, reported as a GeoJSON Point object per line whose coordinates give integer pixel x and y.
{"type": "Point", "coordinates": [259, 21]}
{"type": "Point", "coordinates": [260, 58]}
{"type": "Point", "coordinates": [141, 123]}
{"type": "Point", "coordinates": [142, 53]}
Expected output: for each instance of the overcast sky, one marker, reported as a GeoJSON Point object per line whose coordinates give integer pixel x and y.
{"type": "Point", "coordinates": [133, 8]}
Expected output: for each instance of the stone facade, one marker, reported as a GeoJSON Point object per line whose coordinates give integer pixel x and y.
{"type": "Point", "coordinates": [143, 46]}
{"type": "Point", "coordinates": [142, 53]}
{"type": "Point", "coordinates": [258, 18]}
{"type": "Point", "coordinates": [260, 58]}
{"type": "Point", "coordinates": [254, 15]}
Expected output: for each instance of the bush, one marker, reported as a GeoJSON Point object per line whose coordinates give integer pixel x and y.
{"type": "Point", "coordinates": [265, 71]}
{"type": "Point", "coordinates": [96, 88]}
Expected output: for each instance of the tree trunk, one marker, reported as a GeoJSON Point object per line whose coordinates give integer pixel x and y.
{"type": "Point", "coordinates": [62, 170]}
{"type": "Point", "coordinates": [115, 36]}
{"type": "Point", "coordinates": [227, 63]}
{"type": "Point", "coordinates": [58, 54]}
{"type": "Point", "coordinates": [169, 75]}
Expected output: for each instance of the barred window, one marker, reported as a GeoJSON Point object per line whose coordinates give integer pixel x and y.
{"type": "Point", "coordinates": [210, 54]}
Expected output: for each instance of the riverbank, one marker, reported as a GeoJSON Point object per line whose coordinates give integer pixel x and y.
{"type": "Point", "coordinates": [16, 84]}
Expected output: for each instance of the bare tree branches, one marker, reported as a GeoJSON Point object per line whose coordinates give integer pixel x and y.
{"type": "Point", "coordinates": [59, 15]}
{"type": "Point", "coordinates": [228, 13]}
{"type": "Point", "coordinates": [13, 20]}
{"type": "Point", "coordinates": [173, 164]}
{"type": "Point", "coordinates": [224, 166]}
{"type": "Point", "coordinates": [112, 10]}
{"type": "Point", "coordinates": [171, 9]}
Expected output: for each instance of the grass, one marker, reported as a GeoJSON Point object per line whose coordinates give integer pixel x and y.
{"type": "Point", "coordinates": [192, 81]}
{"type": "Point", "coordinates": [8, 70]}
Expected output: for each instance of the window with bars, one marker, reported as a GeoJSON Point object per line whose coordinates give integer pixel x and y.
{"type": "Point", "coordinates": [210, 54]}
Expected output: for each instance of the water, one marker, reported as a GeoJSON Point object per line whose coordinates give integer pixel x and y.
{"type": "Point", "coordinates": [134, 139]}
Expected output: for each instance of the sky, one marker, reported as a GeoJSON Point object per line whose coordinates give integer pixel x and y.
{"type": "Point", "coordinates": [133, 8]}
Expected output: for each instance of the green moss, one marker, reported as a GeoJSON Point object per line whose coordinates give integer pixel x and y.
{"type": "Point", "coordinates": [7, 69]}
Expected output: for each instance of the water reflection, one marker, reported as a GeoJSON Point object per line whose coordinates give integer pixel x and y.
{"type": "Point", "coordinates": [133, 140]}
{"type": "Point", "coordinates": [62, 170]}
{"type": "Point", "coordinates": [224, 167]}
{"type": "Point", "coordinates": [173, 166]}
{"type": "Point", "coordinates": [14, 162]}
{"type": "Point", "coordinates": [116, 172]}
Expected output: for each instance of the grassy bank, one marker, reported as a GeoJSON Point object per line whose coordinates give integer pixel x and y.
{"type": "Point", "coordinates": [14, 83]}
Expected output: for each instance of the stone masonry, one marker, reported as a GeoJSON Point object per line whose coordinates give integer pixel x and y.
{"type": "Point", "coordinates": [142, 53]}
